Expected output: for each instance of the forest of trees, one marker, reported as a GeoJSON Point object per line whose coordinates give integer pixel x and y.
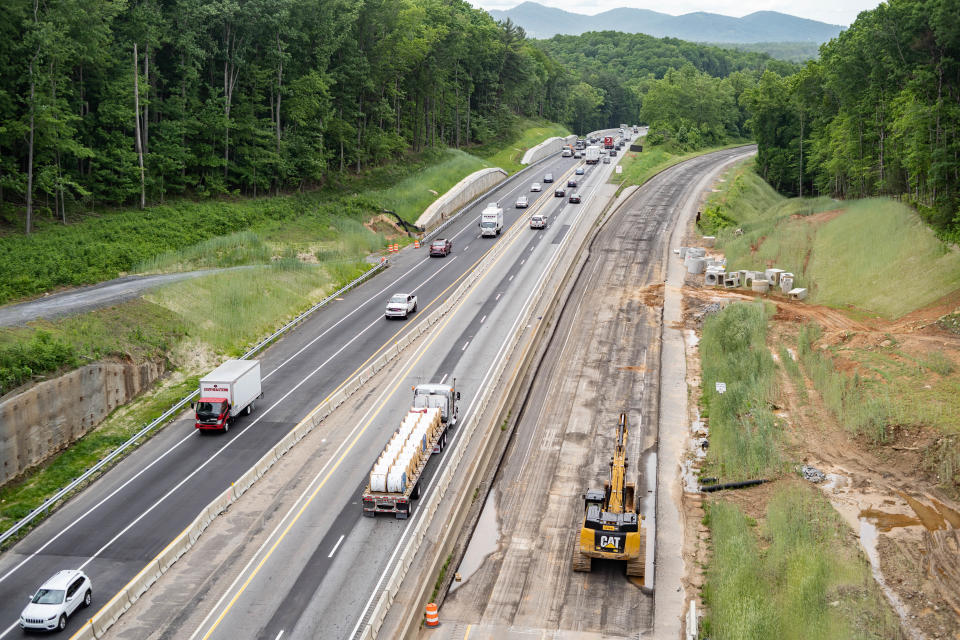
{"type": "Point", "coordinates": [689, 93]}
{"type": "Point", "coordinates": [129, 102]}
{"type": "Point", "coordinates": [878, 113]}
{"type": "Point", "coordinates": [112, 102]}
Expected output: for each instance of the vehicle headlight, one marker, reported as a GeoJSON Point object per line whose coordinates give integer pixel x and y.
{"type": "Point", "coordinates": [53, 617]}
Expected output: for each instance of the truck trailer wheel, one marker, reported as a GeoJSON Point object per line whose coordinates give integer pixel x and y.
{"type": "Point", "coordinates": [249, 408]}
{"type": "Point", "coordinates": [416, 492]}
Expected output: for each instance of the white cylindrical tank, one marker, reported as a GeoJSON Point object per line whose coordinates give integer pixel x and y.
{"type": "Point", "coordinates": [760, 286]}
{"type": "Point", "coordinates": [695, 265]}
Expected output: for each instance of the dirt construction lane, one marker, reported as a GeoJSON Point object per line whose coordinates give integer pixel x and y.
{"type": "Point", "coordinates": [603, 359]}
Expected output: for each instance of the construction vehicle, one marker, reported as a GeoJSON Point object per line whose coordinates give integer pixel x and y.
{"type": "Point", "coordinates": [611, 528]}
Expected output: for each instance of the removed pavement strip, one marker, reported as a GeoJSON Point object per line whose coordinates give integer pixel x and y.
{"type": "Point", "coordinates": [908, 530]}
{"type": "Point", "coordinates": [201, 576]}
{"type": "Point", "coordinates": [431, 569]}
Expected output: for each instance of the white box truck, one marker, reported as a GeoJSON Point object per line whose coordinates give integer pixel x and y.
{"type": "Point", "coordinates": [491, 220]}
{"type": "Point", "coordinates": [225, 393]}
{"type": "Point", "coordinates": [592, 154]}
{"type": "Point", "coordinates": [394, 479]}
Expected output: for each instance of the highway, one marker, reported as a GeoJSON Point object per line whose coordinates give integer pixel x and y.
{"type": "Point", "coordinates": [115, 526]}
{"type": "Point", "coordinates": [315, 574]}
{"type": "Point", "coordinates": [603, 359]}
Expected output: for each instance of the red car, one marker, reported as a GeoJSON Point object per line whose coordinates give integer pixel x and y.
{"type": "Point", "coordinates": [441, 247]}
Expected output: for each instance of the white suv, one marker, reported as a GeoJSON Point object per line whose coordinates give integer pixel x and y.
{"type": "Point", "coordinates": [401, 305]}
{"type": "Point", "coordinates": [56, 600]}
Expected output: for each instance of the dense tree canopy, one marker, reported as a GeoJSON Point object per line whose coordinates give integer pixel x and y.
{"type": "Point", "coordinates": [879, 113]}
{"type": "Point", "coordinates": [691, 108]}
{"type": "Point", "coordinates": [131, 101]}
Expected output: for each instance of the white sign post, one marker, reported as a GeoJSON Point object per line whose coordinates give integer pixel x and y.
{"type": "Point", "coordinates": [721, 387]}
{"type": "Point", "coordinates": [619, 169]}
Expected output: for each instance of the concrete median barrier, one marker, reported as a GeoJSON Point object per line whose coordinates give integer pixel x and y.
{"type": "Point", "coordinates": [182, 543]}
{"type": "Point", "coordinates": [84, 633]}
{"type": "Point", "coordinates": [139, 585]}
{"type": "Point", "coordinates": [462, 193]}
{"type": "Point", "coordinates": [102, 620]}
{"type": "Point", "coordinates": [174, 550]}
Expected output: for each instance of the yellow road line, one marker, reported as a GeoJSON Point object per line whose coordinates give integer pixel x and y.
{"type": "Point", "coordinates": [343, 456]}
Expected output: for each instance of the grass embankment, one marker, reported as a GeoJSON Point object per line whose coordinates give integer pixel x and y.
{"type": "Point", "coordinates": [508, 156]}
{"type": "Point", "coordinates": [297, 248]}
{"type": "Point", "coordinates": [876, 255]}
{"type": "Point", "coordinates": [638, 167]}
{"type": "Point", "coordinates": [787, 568]}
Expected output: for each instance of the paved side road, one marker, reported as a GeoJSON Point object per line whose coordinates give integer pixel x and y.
{"type": "Point", "coordinates": [96, 296]}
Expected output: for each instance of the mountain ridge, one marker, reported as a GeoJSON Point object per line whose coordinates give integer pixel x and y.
{"type": "Point", "coordinates": [540, 21]}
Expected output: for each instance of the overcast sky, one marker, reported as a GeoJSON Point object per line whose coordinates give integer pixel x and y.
{"type": "Point", "coordinates": [832, 11]}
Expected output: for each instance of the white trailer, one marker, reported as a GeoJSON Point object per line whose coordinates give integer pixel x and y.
{"type": "Point", "coordinates": [395, 478]}
{"type": "Point", "coordinates": [592, 154]}
{"type": "Point", "coordinates": [491, 220]}
{"type": "Point", "coordinates": [225, 392]}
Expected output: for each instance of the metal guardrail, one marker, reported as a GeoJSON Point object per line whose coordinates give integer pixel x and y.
{"type": "Point", "coordinates": [106, 460]}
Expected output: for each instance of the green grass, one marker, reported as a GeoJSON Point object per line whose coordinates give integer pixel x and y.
{"type": "Point", "coordinates": [876, 255]}
{"type": "Point", "coordinates": [892, 389]}
{"type": "Point", "coordinates": [135, 332]}
{"type": "Point", "coordinates": [416, 192]}
{"type": "Point", "coordinates": [508, 156]}
{"type": "Point", "coordinates": [232, 311]}
{"type": "Point", "coordinates": [638, 167]}
{"type": "Point", "coordinates": [17, 499]}
{"type": "Point", "coordinates": [744, 433]}
{"type": "Point", "coordinates": [796, 575]}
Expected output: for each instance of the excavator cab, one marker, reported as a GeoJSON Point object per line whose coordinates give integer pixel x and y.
{"type": "Point", "coordinates": [611, 528]}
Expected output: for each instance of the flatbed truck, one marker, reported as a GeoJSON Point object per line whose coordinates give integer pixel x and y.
{"type": "Point", "coordinates": [394, 481]}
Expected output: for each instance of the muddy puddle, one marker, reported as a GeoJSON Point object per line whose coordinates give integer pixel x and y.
{"type": "Point", "coordinates": [869, 536]}
{"type": "Point", "coordinates": [884, 521]}
{"type": "Point", "coordinates": [483, 542]}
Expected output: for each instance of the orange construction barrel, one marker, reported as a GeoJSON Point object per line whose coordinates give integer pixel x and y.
{"type": "Point", "coordinates": [433, 618]}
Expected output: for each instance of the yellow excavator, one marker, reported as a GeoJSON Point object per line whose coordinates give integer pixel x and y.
{"type": "Point", "coordinates": [611, 529]}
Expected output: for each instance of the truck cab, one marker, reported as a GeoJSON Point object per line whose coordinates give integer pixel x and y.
{"type": "Point", "coordinates": [441, 396]}
{"type": "Point", "coordinates": [212, 413]}
{"type": "Point", "coordinates": [491, 220]}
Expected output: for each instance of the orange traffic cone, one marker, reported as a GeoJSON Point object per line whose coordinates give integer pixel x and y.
{"type": "Point", "coordinates": [433, 617]}
{"type": "Point", "coordinates": [416, 244]}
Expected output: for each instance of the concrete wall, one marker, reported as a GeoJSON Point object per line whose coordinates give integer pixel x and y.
{"type": "Point", "coordinates": [458, 196]}
{"type": "Point", "coordinates": [546, 148]}
{"type": "Point", "coordinates": [50, 416]}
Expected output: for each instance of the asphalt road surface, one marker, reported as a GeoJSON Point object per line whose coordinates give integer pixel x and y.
{"type": "Point", "coordinates": [113, 528]}
{"type": "Point", "coordinates": [603, 359]}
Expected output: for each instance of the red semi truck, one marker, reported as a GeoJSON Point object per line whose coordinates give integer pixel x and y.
{"type": "Point", "coordinates": [225, 392]}
{"type": "Point", "coordinates": [608, 142]}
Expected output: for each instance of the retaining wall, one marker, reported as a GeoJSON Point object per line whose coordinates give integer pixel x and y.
{"type": "Point", "coordinates": [546, 148]}
{"type": "Point", "coordinates": [48, 417]}
{"type": "Point", "coordinates": [462, 193]}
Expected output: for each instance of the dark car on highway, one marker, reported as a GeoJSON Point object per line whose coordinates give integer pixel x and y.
{"type": "Point", "coordinates": [571, 182]}
{"type": "Point", "coordinates": [441, 247]}
{"type": "Point", "coordinates": [575, 198]}
{"type": "Point", "coordinates": [559, 193]}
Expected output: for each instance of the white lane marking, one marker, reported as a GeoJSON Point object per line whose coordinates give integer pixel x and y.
{"type": "Point", "coordinates": [279, 635]}
{"type": "Point", "coordinates": [187, 478]}
{"type": "Point", "coordinates": [510, 279]}
{"type": "Point", "coordinates": [426, 493]}
{"type": "Point", "coordinates": [218, 452]}
{"type": "Point", "coordinates": [464, 347]}
{"type": "Point", "coordinates": [497, 298]}
{"type": "Point", "coordinates": [304, 496]}
{"type": "Point", "coordinates": [482, 319]}
{"type": "Point", "coordinates": [466, 248]}
{"type": "Point", "coordinates": [522, 261]}
{"type": "Point", "coordinates": [336, 546]}
{"type": "Point", "coordinates": [443, 378]}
